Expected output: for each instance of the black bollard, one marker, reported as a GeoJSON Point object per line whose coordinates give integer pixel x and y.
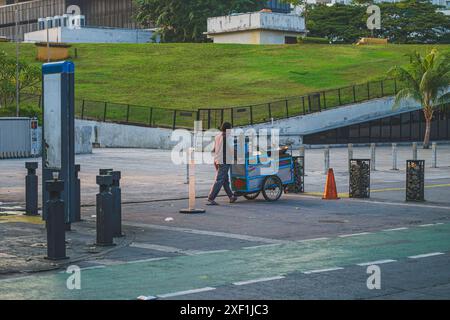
{"type": "Point", "coordinates": [56, 236]}
{"type": "Point", "coordinates": [105, 172]}
{"type": "Point", "coordinates": [77, 200]}
{"type": "Point", "coordinates": [117, 204]}
{"type": "Point", "coordinates": [104, 212]}
{"type": "Point", "coordinates": [31, 189]}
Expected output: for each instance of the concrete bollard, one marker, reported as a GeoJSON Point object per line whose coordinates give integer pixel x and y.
{"type": "Point", "coordinates": [56, 236]}
{"type": "Point", "coordinates": [414, 151]}
{"type": "Point", "coordinates": [326, 154]}
{"type": "Point", "coordinates": [104, 206]}
{"type": "Point", "coordinates": [104, 211]}
{"type": "Point", "coordinates": [117, 204]}
{"type": "Point", "coordinates": [372, 157]}
{"type": "Point", "coordinates": [31, 189]}
{"type": "Point", "coordinates": [394, 156]}
{"type": "Point", "coordinates": [301, 151]}
{"type": "Point", "coordinates": [77, 200]}
{"type": "Point", "coordinates": [434, 155]}
{"type": "Point", "coordinates": [350, 154]}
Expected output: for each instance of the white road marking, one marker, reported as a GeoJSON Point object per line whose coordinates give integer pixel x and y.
{"type": "Point", "coordinates": [426, 225]}
{"type": "Point", "coordinates": [147, 260]}
{"type": "Point", "coordinates": [315, 239]}
{"type": "Point", "coordinates": [90, 268]}
{"type": "Point", "coordinates": [241, 283]}
{"type": "Point", "coordinates": [322, 270]}
{"type": "Point", "coordinates": [207, 233]}
{"type": "Point", "coordinates": [364, 264]}
{"type": "Point", "coordinates": [161, 248]}
{"type": "Point", "coordinates": [262, 246]}
{"type": "Point", "coordinates": [182, 293]}
{"type": "Point", "coordinates": [402, 204]}
{"type": "Point", "coordinates": [353, 234]}
{"type": "Point", "coordinates": [426, 255]}
{"type": "Point", "coordinates": [395, 229]}
{"type": "Point", "coordinates": [212, 251]}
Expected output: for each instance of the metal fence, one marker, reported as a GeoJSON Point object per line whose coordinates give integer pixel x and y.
{"type": "Point", "coordinates": [237, 116]}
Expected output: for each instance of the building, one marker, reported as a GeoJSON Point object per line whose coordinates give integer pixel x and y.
{"type": "Point", "coordinates": [262, 27]}
{"type": "Point", "coordinates": [98, 13]}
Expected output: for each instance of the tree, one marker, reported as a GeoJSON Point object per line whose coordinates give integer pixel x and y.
{"type": "Point", "coordinates": [409, 21]}
{"type": "Point", "coordinates": [29, 79]}
{"type": "Point", "coordinates": [185, 21]}
{"type": "Point", "coordinates": [426, 80]}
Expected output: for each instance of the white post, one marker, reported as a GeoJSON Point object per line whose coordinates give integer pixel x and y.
{"type": "Point", "coordinates": [414, 150]}
{"type": "Point", "coordinates": [434, 155]}
{"type": "Point", "coordinates": [372, 157]}
{"type": "Point", "coordinates": [350, 154]}
{"type": "Point", "coordinates": [326, 154]}
{"type": "Point", "coordinates": [394, 156]}
{"type": "Point", "coordinates": [302, 151]}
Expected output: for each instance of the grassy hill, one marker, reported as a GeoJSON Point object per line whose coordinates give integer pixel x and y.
{"type": "Point", "coordinates": [191, 76]}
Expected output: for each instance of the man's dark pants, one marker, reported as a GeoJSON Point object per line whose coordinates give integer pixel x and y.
{"type": "Point", "coordinates": [222, 180]}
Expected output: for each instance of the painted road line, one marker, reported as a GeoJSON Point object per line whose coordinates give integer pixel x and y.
{"type": "Point", "coordinates": [242, 283]}
{"type": "Point", "coordinates": [353, 234]}
{"type": "Point", "coordinates": [426, 255]}
{"type": "Point", "coordinates": [364, 264]}
{"type": "Point", "coordinates": [400, 204]}
{"type": "Point", "coordinates": [206, 233]}
{"type": "Point", "coordinates": [161, 248]}
{"type": "Point", "coordinates": [395, 229]}
{"type": "Point", "coordinates": [90, 268]}
{"type": "Point", "coordinates": [312, 240]}
{"type": "Point", "coordinates": [262, 246]}
{"type": "Point", "coordinates": [212, 251]}
{"type": "Point", "coordinates": [182, 293]}
{"type": "Point", "coordinates": [426, 225]}
{"type": "Point", "coordinates": [147, 260]}
{"type": "Point", "coordinates": [322, 270]}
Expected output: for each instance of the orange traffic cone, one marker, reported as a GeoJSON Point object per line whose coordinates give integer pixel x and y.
{"type": "Point", "coordinates": [330, 192]}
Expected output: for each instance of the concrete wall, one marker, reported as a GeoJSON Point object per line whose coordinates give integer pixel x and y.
{"type": "Point", "coordinates": [112, 135]}
{"type": "Point", "coordinates": [91, 35]}
{"type": "Point", "coordinates": [292, 129]}
{"type": "Point", "coordinates": [254, 37]}
{"type": "Point", "coordinates": [256, 20]}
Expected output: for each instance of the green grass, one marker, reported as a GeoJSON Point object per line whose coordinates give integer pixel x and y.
{"type": "Point", "coordinates": [191, 76]}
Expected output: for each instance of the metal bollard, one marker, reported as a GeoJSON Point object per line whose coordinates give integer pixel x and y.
{"type": "Point", "coordinates": [77, 200]}
{"type": "Point", "coordinates": [56, 236]}
{"type": "Point", "coordinates": [31, 189]}
{"type": "Point", "coordinates": [372, 157]}
{"type": "Point", "coordinates": [117, 204]}
{"type": "Point", "coordinates": [434, 155]}
{"type": "Point", "coordinates": [394, 156]}
{"type": "Point", "coordinates": [414, 151]}
{"type": "Point", "coordinates": [105, 172]}
{"type": "Point", "coordinates": [326, 154]}
{"type": "Point", "coordinates": [104, 211]}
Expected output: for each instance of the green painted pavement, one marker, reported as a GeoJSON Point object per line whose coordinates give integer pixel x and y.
{"type": "Point", "coordinates": [127, 281]}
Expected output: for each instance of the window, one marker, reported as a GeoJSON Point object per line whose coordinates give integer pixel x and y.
{"type": "Point", "coordinates": [290, 40]}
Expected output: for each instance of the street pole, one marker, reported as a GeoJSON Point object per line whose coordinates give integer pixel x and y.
{"type": "Point", "coordinates": [48, 42]}
{"type": "Point", "coordinates": [17, 65]}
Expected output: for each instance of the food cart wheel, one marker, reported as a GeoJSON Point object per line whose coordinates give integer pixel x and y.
{"type": "Point", "coordinates": [272, 188]}
{"type": "Point", "coordinates": [252, 196]}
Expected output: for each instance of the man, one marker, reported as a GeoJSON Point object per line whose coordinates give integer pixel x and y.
{"type": "Point", "coordinates": [223, 145]}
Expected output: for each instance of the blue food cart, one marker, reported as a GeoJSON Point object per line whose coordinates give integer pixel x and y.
{"type": "Point", "coordinates": [255, 176]}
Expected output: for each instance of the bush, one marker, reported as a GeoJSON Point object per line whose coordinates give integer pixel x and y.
{"type": "Point", "coordinates": [313, 40]}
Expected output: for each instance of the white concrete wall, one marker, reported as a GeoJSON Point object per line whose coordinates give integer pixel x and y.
{"type": "Point", "coordinates": [112, 135]}
{"type": "Point", "coordinates": [256, 20]}
{"type": "Point", "coordinates": [91, 35]}
{"type": "Point", "coordinates": [294, 128]}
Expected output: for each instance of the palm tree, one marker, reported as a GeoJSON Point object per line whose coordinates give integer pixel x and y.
{"type": "Point", "coordinates": [426, 80]}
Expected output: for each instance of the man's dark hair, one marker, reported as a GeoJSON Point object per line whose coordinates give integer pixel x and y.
{"type": "Point", "coordinates": [225, 126]}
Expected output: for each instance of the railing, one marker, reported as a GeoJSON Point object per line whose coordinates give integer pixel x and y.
{"type": "Point", "coordinates": [238, 116]}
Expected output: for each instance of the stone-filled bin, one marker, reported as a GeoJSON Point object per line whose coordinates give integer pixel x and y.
{"type": "Point", "coordinates": [415, 180]}
{"type": "Point", "coordinates": [359, 180]}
